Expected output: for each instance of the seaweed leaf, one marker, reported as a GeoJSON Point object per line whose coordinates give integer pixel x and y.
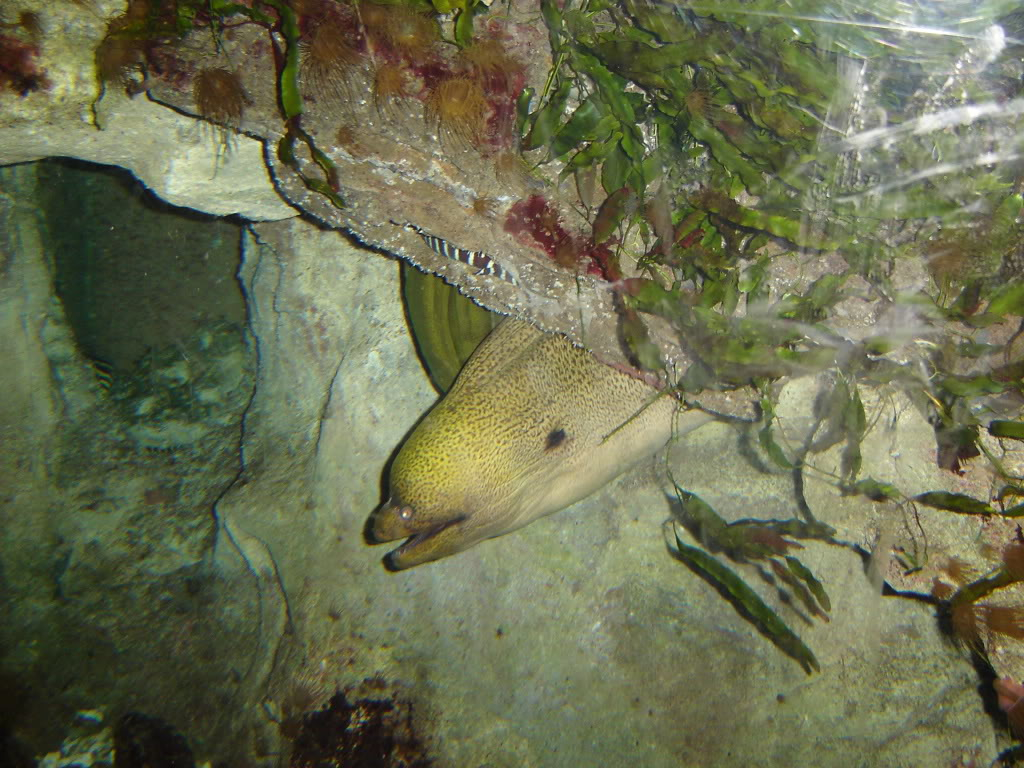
{"type": "Point", "coordinates": [982, 587]}
{"type": "Point", "coordinates": [463, 25]}
{"type": "Point", "coordinates": [616, 206]}
{"type": "Point", "coordinates": [767, 440]}
{"type": "Point", "coordinates": [643, 352]}
{"type": "Point", "coordinates": [1008, 300]}
{"type": "Point", "coordinates": [972, 386]}
{"type": "Point", "coordinates": [617, 168]}
{"type": "Point", "coordinates": [873, 489]}
{"type": "Point", "coordinates": [546, 119]}
{"type": "Point", "coordinates": [523, 108]}
{"type": "Point", "coordinates": [1013, 430]}
{"type": "Point", "coordinates": [803, 573]}
{"type": "Point", "coordinates": [855, 423]}
{"type": "Point", "coordinates": [746, 602]}
{"type": "Point", "coordinates": [766, 437]}
{"type": "Point", "coordinates": [1014, 511]}
{"type": "Point", "coordinates": [590, 155]}
{"type": "Point", "coordinates": [798, 588]}
{"type": "Point", "coordinates": [780, 225]}
{"type": "Point", "coordinates": [746, 539]}
{"type": "Point", "coordinates": [582, 127]}
{"type": "Point", "coordinates": [954, 502]}
{"type": "Point", "coordinates": [288, 84]}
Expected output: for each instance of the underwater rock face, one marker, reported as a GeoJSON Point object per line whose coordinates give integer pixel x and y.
{"type": "Point", "coordinates": [110, 597]}
{"type": "Point", "coordinates": [522, 650]}
{"type": "Point", "coordinates": [166, 151]}
{"type": "Point", "coordinates": [541, 644]}
{"type": "Point", "coordinates": [579, 632]}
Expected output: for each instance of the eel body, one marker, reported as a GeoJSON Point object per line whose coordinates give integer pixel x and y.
{"type": "Point", "coordinates": [531, 425]}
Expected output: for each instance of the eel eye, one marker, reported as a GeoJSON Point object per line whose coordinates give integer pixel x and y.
{"type": "Point", "coordinates": [555, 438]}
{"type": "Point", "coordinates": [405, 513]}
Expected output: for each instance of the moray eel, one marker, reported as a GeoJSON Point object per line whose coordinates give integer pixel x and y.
{"type": "Point", "coordinates": [446, 326]}
{"type": "Point", "coordinates": [532, 424]}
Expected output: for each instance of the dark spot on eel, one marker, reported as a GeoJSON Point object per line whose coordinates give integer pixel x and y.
{"type": "Point", "coordinates": [555, 438]}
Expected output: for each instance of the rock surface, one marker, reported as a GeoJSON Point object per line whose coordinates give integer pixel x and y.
{"type": "Point", "coordinates": [578, 640]}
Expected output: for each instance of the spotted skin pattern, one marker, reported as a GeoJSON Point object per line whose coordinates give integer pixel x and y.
{"type": "Point", "coordinates": [531, 425]}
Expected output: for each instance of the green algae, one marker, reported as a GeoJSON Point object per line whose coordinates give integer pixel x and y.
{"type": "Point", "coordinates": [749, 541]}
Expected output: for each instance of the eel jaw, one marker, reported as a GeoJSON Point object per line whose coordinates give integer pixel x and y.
{"type": "Point", "coordinates": [426, 540]}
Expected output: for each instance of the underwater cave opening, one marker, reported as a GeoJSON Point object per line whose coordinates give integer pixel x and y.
{"type": "Point", "coordinates": [135, 275]}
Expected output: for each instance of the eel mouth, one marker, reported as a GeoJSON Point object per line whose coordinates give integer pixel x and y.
{"type": "Point", "coordinates": [421, 547]}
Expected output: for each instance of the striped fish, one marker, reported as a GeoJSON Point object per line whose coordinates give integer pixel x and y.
{"type": "Point", "coordinates": [103, 371]}
{"type": "Point", "coordinates": [478, 260]}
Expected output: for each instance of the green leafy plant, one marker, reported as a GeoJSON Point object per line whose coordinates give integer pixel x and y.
{"type": "Point", "coordinates": [766, 542]}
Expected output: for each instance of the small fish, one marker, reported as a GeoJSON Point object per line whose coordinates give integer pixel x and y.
{"type": "Point", "coordinates": [478, 260]}
{"type": "Point", "coordinates": [104, 373]}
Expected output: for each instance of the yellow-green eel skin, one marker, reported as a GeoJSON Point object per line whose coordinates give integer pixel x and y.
{"type": "Point", "coordinates": [531, 425]}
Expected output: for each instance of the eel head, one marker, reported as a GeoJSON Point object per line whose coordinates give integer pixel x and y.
{"type": "Point", "coordinates": [429, 536]}
{"type": "Point", "coordinates": [531, 425]}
